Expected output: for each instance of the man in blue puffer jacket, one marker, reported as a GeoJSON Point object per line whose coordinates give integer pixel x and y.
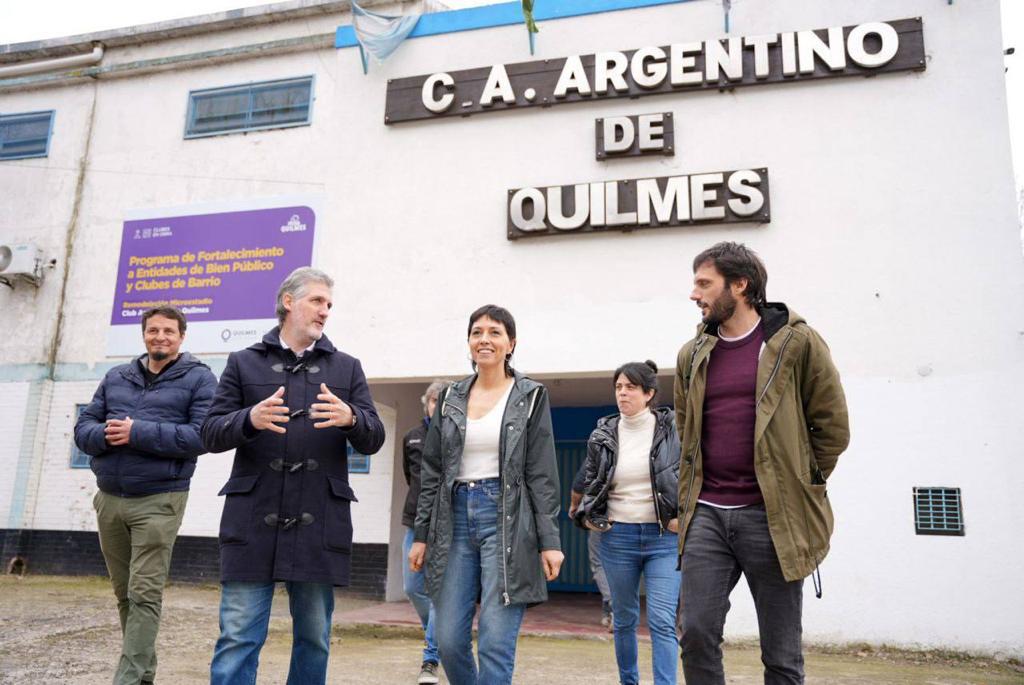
{"type": "Point", "coordinates": [142, 431]}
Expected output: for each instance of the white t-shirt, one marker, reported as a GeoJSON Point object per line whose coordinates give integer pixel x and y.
{"type": "Point", "coordinates": [630, 498]}
{"type": "Point", "coordinates": [481, 450]}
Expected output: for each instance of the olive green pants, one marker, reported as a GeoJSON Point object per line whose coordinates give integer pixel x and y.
{"type": "Point", "coordinates": [137, 535]}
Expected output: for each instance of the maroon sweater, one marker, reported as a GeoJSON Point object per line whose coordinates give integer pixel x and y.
{"type": "Point", "coordinates": [727, 437]}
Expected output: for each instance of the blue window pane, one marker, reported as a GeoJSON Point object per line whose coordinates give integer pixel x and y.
{"type": "Point", "coordinates": [25, 135]}
{"type": "Point", "coordinates": [274, 104]}
{"type": "Point", "coordinates": [79, 459]}
{"type": "Point", "coordinates": [358, 463]}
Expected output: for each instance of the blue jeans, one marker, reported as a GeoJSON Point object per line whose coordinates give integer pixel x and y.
{"type": "Point", "coordinates": [627, 551]}
{"type": "Point", "coordinates": [474, 568]}
{"type": "Point", "coordinates": [244, 616]}
{"type": "Point", "coordinates": [413, 585]}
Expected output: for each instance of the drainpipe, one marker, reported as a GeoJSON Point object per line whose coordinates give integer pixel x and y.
{"type": "Point", "coordinates": [56, 64]}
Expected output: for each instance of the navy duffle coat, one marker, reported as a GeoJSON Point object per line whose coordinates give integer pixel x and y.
{"type": "Point", "coordinates": [287, 503]}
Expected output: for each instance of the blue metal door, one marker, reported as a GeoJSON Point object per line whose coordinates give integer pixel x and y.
{"type": "Point", "coordinates": [572, 427]}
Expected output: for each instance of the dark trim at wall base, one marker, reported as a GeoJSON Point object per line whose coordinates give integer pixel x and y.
{"type": "Point", "coordinates": [195, 560]}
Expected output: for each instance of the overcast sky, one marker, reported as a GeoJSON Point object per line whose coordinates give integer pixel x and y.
{"type": "Point", "coordinates": [38, 19]}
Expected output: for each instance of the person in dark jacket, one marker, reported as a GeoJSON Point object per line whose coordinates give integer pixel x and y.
{"type": "Point", "coordinates": [142, 431]}
{"type": "Point", "coordinates": [487, 517]}
{"type": "Point", "coordinates": [289, 406]}
{"type": "Point", "coordinates": [631, 485]}
{"type": "Point", "coordinates": [593, 547]}
{"type": "Point", "coordinates": [412, 455]}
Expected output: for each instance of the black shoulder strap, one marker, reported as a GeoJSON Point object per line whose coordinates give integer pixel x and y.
{"type": "Point", "coordinates": [689, 368]}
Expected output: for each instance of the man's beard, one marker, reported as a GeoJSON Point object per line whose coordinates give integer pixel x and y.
{"type": "Point", "coordinates": [158, 356]}
{"type": "Point", "coordinates": [722, 309]}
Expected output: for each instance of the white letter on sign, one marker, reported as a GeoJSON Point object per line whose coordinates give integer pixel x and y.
{"type": "Point", "coordinates": [438, 105]}
{"type": "Point", "coordinates": [652, 131]}
{"type": "Point", "coordinates": [581, 208]}
{"type": "Point", "coordinates": [618, 134]}
{"type": "Point", "coordinates": [497, 85]}
{"type": "Point", "coordinates": [830, 52]}
{"type": "Point", "coordinates": [855, 44]}
{"type": "Point", "coordinates": [743, 183]}
{"type": "Point", "coordinates": [701, 197]}
{"type": "Point", "coordinates": [648, 67]}
{"type": "Point", "coordinates": [572, 76]}
{"type": "Point", "coordinates": [515, 210]}
{"type": "Point", "coordinates": [610, 67]}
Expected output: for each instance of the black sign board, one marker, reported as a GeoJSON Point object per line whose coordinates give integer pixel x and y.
{"type": "Point", "coordinates": [634, 135]}
{"type": "Point", "coordinates": [707, 198]}
{"type": "Point", "coordinates": [788, 57]}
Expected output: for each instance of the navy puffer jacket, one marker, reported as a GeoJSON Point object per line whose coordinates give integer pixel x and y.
{"type": "Point", "coordinates": [167, 416]}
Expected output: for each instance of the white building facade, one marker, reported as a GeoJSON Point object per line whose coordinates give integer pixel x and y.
{"type": "Point", "coordinates": [892, 229]}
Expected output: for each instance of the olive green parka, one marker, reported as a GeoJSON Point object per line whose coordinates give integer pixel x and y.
{"type": "Point", "coordinates": [801, 428]}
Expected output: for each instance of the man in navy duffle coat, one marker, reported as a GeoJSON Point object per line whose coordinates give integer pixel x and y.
{"type": "Point", "coordinates": [289, 406]}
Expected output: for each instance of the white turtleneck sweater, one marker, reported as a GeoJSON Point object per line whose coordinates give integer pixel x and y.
{"type": "Point", "coordinates": [630, 499]}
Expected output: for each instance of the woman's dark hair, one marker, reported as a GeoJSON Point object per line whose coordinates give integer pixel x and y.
{"type": "Point", "coordinates": [502, 316]}
{"type": "Point", "coordinates": [644, 374]}
{"type": "Point", "coordinates": [734, 261]}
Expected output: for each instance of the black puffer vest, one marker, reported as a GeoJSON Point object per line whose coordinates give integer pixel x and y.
{"type": "Point", "coordinates": [602, 456]}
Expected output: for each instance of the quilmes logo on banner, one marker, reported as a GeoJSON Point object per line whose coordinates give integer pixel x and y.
{"type": "Point", "coordinates": [294, 225]}
{"type": "Point", "coordinates": [785, 57]}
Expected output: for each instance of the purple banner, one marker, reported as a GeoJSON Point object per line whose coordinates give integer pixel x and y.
{"type": "Point", "coordinates": [214, 267]}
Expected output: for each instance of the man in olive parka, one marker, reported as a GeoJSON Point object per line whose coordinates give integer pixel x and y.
{"type": "Point", "coordinates": [762, 420]}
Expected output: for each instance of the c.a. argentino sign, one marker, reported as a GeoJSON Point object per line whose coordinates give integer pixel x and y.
{"type": "Point", "coordinates": [786, 57]}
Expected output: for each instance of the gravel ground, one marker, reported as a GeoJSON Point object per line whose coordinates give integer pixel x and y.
{"type": "Point", "coordinates": [64, 630]}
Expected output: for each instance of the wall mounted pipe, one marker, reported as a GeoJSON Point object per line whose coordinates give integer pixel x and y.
{"type": "Point", "coordinates": [55, 64]}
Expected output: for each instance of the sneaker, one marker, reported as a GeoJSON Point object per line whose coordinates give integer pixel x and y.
{"type": "Point", "coordinates": [428, 673]}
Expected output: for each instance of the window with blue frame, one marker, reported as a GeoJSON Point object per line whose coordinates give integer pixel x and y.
{"type": "Point", "coordinates": [256, 106]}
{"type": "Point", "coordinates": [79, 459]}
{"type": "Point", "coordinates": [358, 463]}
{"type": "Point", "coordinates": [25, 135]}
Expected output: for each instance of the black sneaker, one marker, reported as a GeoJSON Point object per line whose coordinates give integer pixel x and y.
{"type": "Point", "coordinates": [428, 673]}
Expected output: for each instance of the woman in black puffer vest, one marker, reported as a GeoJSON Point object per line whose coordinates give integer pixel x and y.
{"type": "Point", "coordinates": [630, 493]}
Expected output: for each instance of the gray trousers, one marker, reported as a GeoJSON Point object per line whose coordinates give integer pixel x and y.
{"type": "Point", "coordinates": [720, 545]}
{"type": "Point", "coordinates": [594, 552]}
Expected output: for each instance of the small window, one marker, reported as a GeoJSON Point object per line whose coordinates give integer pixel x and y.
{"type": "Point", "coordinates": [79, 459]}
{"type": "Point", "coordinates": [938, 511]}
{"type": "Point", "coordinates": [358, 463]}
{"type": "Point", "coordinates": [273, 104]}
{"type": "Point", "coordinates": [25, 135]}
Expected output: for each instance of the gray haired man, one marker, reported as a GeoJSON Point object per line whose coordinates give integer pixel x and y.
{"type": "Point", "coordinates": [289, 406]}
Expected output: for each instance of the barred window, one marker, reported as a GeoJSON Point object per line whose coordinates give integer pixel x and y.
{"type": "Point", "coordinates": [271, 104]}
{"type": "Point", "coordinates": [25, 135]}
{"type": "Point", "coordinates": [938, 511]}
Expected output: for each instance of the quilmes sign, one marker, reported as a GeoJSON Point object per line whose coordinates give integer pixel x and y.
{"type": "Point", "coordinates": [786, 57]}
{"type": "Point", "coordinates": [719, 197]}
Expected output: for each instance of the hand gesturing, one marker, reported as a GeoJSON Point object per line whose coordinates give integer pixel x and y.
{"type": "Point", "coordinates": [270, 412]}
{"type": "Point", "coordinates": [331, 409]}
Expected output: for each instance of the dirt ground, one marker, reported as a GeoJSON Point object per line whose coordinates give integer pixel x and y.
{"type": "Point", "coordinates": [64, 630]}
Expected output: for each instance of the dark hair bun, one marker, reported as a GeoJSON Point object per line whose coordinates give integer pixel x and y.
{"type": "Point", "coordinates": [652, 365]}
